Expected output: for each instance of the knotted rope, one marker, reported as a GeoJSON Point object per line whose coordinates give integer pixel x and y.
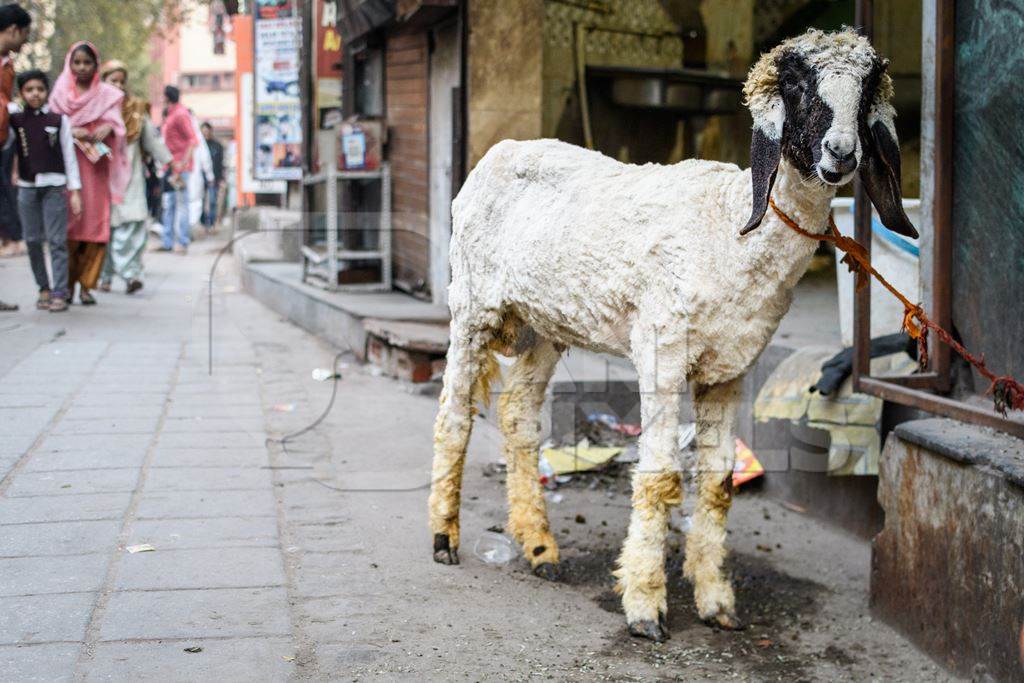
{"type": "Point", "coordinates": [1006, 391]}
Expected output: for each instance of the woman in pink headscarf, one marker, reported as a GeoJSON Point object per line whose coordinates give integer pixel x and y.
{"type": "Point", "coordinates": [94, 109]}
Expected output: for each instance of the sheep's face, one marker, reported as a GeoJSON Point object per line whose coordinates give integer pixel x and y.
{"type": "Point", "coordinates": [821, 101]}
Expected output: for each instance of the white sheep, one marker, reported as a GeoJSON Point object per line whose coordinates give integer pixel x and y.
{"type": "Point", "coordinates": [556, 246]}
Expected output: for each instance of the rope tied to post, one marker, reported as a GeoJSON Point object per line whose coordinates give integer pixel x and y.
{"type": "Point", "coordinates": [1007, 392]}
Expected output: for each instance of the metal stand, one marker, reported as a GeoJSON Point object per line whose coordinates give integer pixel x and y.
{"type": "Point", "coordinates": [326, 265]}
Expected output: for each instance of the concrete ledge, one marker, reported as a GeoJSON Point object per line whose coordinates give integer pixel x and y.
{"type": "Point", "coordinates": [337, 317]}
{"type": "Point", "coordinates": [948, 568]}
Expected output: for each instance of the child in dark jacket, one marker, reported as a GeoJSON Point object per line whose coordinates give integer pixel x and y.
{"type": "Point", "coordinates": [47, 169]}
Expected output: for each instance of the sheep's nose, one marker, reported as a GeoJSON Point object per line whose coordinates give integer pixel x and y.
{"type": "Point", "coordinates": [841, 147]}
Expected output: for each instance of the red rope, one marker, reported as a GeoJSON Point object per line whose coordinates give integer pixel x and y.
{"type": "Point", "coordinates": [1006, 391]}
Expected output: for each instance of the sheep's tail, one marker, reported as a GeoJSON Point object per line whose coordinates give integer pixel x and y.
{"type": "Point", "coordinates": [490, 372]}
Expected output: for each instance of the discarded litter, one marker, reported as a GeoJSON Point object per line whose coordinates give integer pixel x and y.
{"type": "Point", "coordinates": [141, 548]}
{"type": "Point", "coordinates": [747, 465]}
{"type": "Point", "coordinates": [687, 435]}
{"type": "Point", "coordinates": [546, 473]}
{"type": "Point", "coordinates": [794, 507]}
{"type": "Point", "coordinates": [493, 548]}
{"type": "Point", "coordinates": [288, 658]}
{"type": "Point", "coordinates": [554, 498]}
{"type": "Point", "coordinates": [579, 458]}
{"type": "Point", "coordinates": [193, 649]}
{"type": "Point", "coordinates": [323, 374]}
{"type": "Point", "coordinates": [283, 408]}
{"type": "Point", "coordinates": [612, 422]}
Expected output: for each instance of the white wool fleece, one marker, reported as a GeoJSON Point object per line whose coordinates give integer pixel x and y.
{"type": "Point", "coordinates": [629, 260]}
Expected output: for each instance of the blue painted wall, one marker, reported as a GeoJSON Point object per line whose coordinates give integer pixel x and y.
{"type": "Point", "coordinates": [988, 182]}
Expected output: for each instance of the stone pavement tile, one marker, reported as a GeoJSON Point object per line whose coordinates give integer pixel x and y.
{"type": "Point", "coordinates": [322, 574]}
{"type": "Point", "coordinates": [7, 464]}
{"type": "Point", "coordinates": [222, 532]}
{"type": "Point", "coordinates": [330, 537]}
{"type": "Point", "coordinates": [200, 568]}
{"type": "Point", "coordinates": [192, 504]}
{"type": "Point", "coordinates": [59, 538]}
{"type": "Point", "coordinates": [117, 401]}
{"type": "Point", "coordinates": [109, 443]}
{"type": "Point", "coordinates": [207, 479]}
{"type": "Point", "coordinates": [51, 662]}
{"type": "Point", "coordinates": [185, 410]}
{"type": "Point", "coordinates": [216, 457]}
{"type": "Point", "coordinates": [236, 439]}
{"type": "Point", "coordinates": [108, 425]}
{"type": "Point", "coordinates": [237, 660]}
{"type": "Point", "coordinates": [45, 618]}
{"type": "Point", "coordinates": [18, 443]}
{"type": "Point", "coordinates": [64, 508]}
{"type": "Point", "coordinates": [76, 413]}
{"type": "Point", "coordinates": [68, 574]}
{"type": "Point", "coordinates": [121, 458]}
{"type": "Point", "coordinates": [73, 482]}
{"type": "Point", "coordinates": [193, 614]}
{"type": "Point", "coordinates": [198, 425]}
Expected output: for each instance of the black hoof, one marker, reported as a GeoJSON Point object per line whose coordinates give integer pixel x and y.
{"type": "Point", "coordinates": [443, 552]}
{"type": "Point", "coordinates": [546, 571]}
{"type": "Point", "coordinates": [650, 629]}
{"type": "Point", "coordinates": [725, 621]}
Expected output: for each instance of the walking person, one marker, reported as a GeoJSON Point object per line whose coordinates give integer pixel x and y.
{"type": "Point", "coordinates": [94, 108]}
{"type": "Point", "coordinates": [181, 140]}
{"type": "Point", "coordinates": [14, 28]}
{"type": "Point", "coordinates": [211, 203]}
{"type": "Point", "coordinates": [128, 234]}
{"type": "Point", "coordinates": [47, 167]}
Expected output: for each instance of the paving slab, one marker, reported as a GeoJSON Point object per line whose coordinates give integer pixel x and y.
{"type": "Point", "coordinates": [58, 538]}
{"type": "Point", "coordinates": [185, 504]}
{"type": "Point", "coordinates": [236, 660]}
{"type": "Point", "coordinates": [73, 482]}
{"type": "Point", "coordinates": [108, 425]}
{"type": "Point", "coordinates": [45, 618]}
{"type": "Point", "coordinates": [65, 574]}
{"type": "Point", "coordinates": [220, 532]}
{"type": "Point", "coordinates": [53, 662]}
{"type": "Point", "coordinates": [236, 439]}
{"type": "Point", "coordinates": [214, 457]}
{"type": "Point", "coordinates": [49, 461]}
{"type": "Point", "coordinates": [90, 506]}
{"type": "Point", "coordinates": [200, 568]}
{"type": "Point", "coordinates": [208, 479]}
{"type": "Point", "coordinates": [217, 612]}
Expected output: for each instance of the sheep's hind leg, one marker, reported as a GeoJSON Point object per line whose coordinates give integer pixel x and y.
{"type": "Point", "coordinates": [518, 414]}
{"type": "Point", "coordinates": [467, 357]}
{"type": "Point", "coordinates": [657, 488]}
{"type": "Point", "coordinates": [715, 409]}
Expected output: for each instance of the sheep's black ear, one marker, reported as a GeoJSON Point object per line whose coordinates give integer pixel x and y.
{"type": "Point", "coordinates": [765, 153]}
{"type": "Point", "coordinates": [880, 172]}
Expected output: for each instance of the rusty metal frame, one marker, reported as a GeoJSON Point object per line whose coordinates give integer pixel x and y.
{"type": "Point", "coordinates": [914, 390]}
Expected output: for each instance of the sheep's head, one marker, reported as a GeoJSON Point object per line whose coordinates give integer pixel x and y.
{"type": "Point", "coordinates": [821, 100]}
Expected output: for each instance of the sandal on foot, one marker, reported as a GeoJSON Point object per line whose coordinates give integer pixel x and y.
{"type": "Point", "coordinates": [8, 308]}
{"type": "Point", "coordinates": [58, 304]}
{"type": "Point", "coordinates": [43, 302]}
{"type": "Point", "coordinates": [105, 286]}
{"type": "Point", "coordinates": [133, 286]}
{"type": "Point", "coordinates": [87, 299]}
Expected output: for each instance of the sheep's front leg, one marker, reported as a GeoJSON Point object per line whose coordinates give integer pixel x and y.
{"type": "Point", "coordinates": [657, 488]}
{"type": "Point", "coordinates": [518, 413]}
{"type": "Point", "coordinates": [715, 409]}
{"type": "Point", "coordinates": [466, 357]}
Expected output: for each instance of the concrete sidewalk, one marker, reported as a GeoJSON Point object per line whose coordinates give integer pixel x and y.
{"type": "Point", "coordinates": [311, 559]}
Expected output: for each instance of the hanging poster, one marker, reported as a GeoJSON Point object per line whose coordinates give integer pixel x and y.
{"type": "Point", "coordinates": [328, 62]}
{"type": "Point", "coordinates": [278, 107]}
